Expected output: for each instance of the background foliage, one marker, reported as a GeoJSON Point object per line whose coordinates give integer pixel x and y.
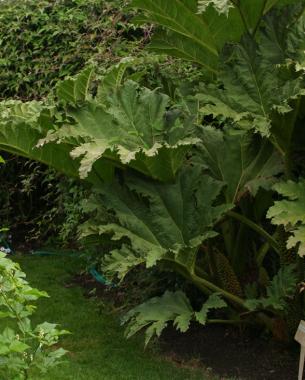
{"type": "Point", "coordinates": [49, 40]}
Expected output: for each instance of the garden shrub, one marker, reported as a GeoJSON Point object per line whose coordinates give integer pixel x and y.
{"type": "Point", "coordinates": [23, 347]}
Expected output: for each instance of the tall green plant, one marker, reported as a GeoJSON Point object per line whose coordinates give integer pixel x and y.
{"type": "Point", "coordinates": [180, 193]}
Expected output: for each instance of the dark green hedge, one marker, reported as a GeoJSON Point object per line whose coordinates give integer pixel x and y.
{"type": "Point", "coordinates": [43, 41]}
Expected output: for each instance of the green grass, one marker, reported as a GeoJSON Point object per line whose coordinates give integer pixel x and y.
{"type": "Point", "coordinates": [98, 349]}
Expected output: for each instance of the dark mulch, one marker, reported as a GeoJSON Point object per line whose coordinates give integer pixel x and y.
{"type": "Point", "coordinates": [227, 351]}
{"type": "Point", "coordinates": [233, 353]}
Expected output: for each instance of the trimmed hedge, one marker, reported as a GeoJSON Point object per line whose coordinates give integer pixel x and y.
{"type": "Point", "coordinates": [44, 41]}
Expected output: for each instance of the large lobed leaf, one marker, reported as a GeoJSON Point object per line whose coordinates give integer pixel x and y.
{"type": "Point", "coordinates": [75, 89]}
{"type": "Point", "coordinates": [160, 221]}
{"type": "Point", "coordinates": [290, 212]}
{"type": "Point", "coordinates": [279, 291]}
{"type": "Point", "coordinates": [197, 31]}
{"type": "Point", "coordinates": [256, 89]}
{"type": "Point", "coordinates": [133, 127]}
{"type": "Point", "coordinates": [242, 161]}
{"type": "Point", "coordinates": [22, 125]}
{"type": "Point", "coordinates": [156, 313]}
{"type": "Point", "coordinates": [189, 35]}
{"type": "Point", "coordinates": [87, 137]}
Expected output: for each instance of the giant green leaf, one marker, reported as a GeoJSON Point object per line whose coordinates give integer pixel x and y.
{"type": "Point", "coordinates": [242, 161]}
{"type": "Point", "coordinates": [290, 212]}
{"type": "Point", "coordinates": [279, 291]}
{"type": "Point", "coordinates": [156, 313]}
{"type": "Point", "coordinates": [160, 221]}
{"type": "Point", "coordinates": [248, 97]}
{"type": "Point", "coordinates": [196, 39]}
{"type": "Point", "coordinates": [20, 130]}
{"type": "Point", "coordinates": [249, 74]}
{"type": "Point", "coordinates": [74, 90]}
{"type": "Point", "coordinates": [199, 33]}
{"type": "Point", "coordinates": [255, 94]}
{"type": "Point", "coordinates": [22, 125]}
{"type": "Point", "coordinates": [133, 128]}
{"type": "Point", "coordinates": [88, 136]}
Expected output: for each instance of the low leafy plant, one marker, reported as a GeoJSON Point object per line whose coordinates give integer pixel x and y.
{"type": "Point", "coordinates": [24, 347]}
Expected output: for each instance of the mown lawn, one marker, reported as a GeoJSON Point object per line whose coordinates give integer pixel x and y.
{"type": "Point", "coordinates": [98, 349]}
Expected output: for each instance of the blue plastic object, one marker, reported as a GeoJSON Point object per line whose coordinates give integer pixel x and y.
{"type": "Point", "coordinates": [99, 277]}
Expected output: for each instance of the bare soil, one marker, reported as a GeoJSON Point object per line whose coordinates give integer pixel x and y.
{"type": "Point", "coordinates": [230, 352]}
